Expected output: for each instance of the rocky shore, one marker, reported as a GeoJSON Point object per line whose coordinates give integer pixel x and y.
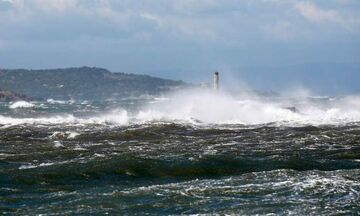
{"type": "Point", "coordinates": [6, 96]}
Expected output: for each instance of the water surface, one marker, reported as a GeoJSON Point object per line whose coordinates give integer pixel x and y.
{"type": "Point", "coordinates": [177, 156]}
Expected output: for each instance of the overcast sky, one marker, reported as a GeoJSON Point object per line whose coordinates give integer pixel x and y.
{"type": "Point", "coordinates": [177, 38]}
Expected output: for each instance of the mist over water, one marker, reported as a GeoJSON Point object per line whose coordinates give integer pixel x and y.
{"type": "Point", "coordinates": [209, 107]}
{"type": "Point", "coordinates": [195, 106]}
{"type": "Point", "coordinates": [189, 152]}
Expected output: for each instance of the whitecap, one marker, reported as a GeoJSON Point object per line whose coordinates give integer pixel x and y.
{"type": "Point", "coordinates": [21, 104]}
{"type": "Point", "coordinates": [118, 117]}
{"type": "Point", "coordinates": [203, 107]}
{"type": "Point", "coordinates": [57, 135]}
{"type": "Point", "coordinates": [52, 101]}
{"type": "Point", "coordinates": [209, 107]}
{"type": "Point", "coordinates": [32, 166]}
{"type": "Point", "coordinates": [58, 144]}
{"type": "Point", "coordinates": [72, 135]}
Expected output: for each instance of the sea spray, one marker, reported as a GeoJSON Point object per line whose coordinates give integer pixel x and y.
{"type": "Point", "coordinates": [21, 104]}
{"type": "Point", "coordinates": [118, 117]}
{"type": "Point", "coordinates": [201, 107]}
{"type": "Point", "coordinates": [211, 107]}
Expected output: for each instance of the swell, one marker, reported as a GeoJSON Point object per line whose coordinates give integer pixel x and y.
{"type": "Point", "coordinates": [49, 156]}
{"type": "Point", "coordinates": [135, 168]}
{"type": "Point", "coordinates": [300, 193]}
{"type": "Point", "coordinates": [215, 168]}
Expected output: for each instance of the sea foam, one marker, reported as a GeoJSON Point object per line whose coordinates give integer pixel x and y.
{"type": "Point", "coordinates": [209, 107]}
{"type": "Point", "coordinates": [118, 117]}
{"type": "Point", "coordinates": [21, 104]}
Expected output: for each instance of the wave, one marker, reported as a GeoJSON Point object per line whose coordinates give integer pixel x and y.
{"type": "Point", "coordinates": [207, 107]}
{"type": "Point", "coordinates": [21, 104]}
{"type": "Point", "coordinates": [222, 108]}
{"type": "Point", "coordinates": [116, 117]}
{"type": "Point", "coordinates": [206, 166]}
{"type": "Point", "coordinates": [52, 101]}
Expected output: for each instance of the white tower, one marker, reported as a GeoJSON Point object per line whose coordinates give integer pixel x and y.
{"type": "Point", "coordinates": [216, 81]}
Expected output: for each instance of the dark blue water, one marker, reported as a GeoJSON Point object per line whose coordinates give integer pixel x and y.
{"type": "Point", "coordinates": [66, 158]}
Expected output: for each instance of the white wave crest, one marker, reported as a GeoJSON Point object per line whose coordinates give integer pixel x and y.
{"type": "Point", "coordinates": [21, 104]}
{"type": "Point", "coordinates": [52, 101]}
{"type": "Point", "coordinates": [208, 107]}
{"type": "Point", "coordinates": [220, 108]}
{"type": "Point", "coordinates": [115, 117]}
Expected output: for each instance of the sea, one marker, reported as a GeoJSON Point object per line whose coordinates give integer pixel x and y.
{"type": "Point", "coordinates": [194, 152]}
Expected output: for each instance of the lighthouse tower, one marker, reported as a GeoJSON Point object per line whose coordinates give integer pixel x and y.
{"type": "Point", "coordinates": [216, 81]}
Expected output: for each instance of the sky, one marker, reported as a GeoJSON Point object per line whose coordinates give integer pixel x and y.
{"type": "Point", "coordinates": [182, 39]}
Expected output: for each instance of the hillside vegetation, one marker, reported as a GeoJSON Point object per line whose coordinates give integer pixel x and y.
{"type": "Point", "coordinates": [83, 83]}
{"type": "Point", "coordinates": [6, 96]}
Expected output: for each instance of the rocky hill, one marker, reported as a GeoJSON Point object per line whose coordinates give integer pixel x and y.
{"type": "Point", "coordinates": [6, 96]}
{"type": "Point", "coordinates": [83, 83]}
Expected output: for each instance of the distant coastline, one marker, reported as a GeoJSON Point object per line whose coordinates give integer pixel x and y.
{"type": "Point", "coordinates": [83, 83]}
{"type": "Point", "coordinates": [7, 96]}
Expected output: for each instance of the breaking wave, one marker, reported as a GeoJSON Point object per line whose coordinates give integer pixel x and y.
{"type": "Point", "coordinates": [207, 107]}
{"type": "Point", "coordinates": [118, 117]}
{"type": "Point", "coordinates": [222, 108]}
{"type": "Point", "coordinates": [21, 104]}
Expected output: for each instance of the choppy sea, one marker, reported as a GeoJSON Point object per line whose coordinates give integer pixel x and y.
{"type": "Point", "coordinates": [186, 153]}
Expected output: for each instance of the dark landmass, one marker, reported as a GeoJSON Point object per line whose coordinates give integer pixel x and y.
{"type": "Point", "coordinates": [6, 96]}
{"type": "Point", "coordinates": [84, 83]}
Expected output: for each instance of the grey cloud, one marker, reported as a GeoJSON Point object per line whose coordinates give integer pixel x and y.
{"type": "Point", "coordinates": [175, 33]}
{"type": "Point", "coordinates": [5, 5]}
